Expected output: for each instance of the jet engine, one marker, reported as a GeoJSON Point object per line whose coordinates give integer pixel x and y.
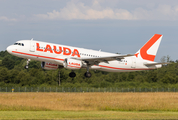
{"type": "Point", "coordinates": [72, 64]}
{"type": "Point", "coordinates": [49, 66]}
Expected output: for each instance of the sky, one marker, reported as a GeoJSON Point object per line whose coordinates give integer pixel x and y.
{"type": "Point", "coordinates": [116, 26]}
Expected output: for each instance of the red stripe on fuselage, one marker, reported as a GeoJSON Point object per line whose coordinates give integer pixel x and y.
{"type": "Point", "coordinates": [74, 66]}
{"type": "Point", "coordinates": [71, 66]}
{"type": "Point", "coordinates": [50, 67]}
{"type": "Point", "coordinates": [124, 68]}
{"type": "Point", "coordinates": [37, 55]}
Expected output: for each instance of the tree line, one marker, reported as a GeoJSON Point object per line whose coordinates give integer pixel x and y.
{"type": "Point", "coordinates": [12, 73]}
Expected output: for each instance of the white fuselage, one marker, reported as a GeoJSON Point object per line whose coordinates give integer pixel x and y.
{"type": "Point", "coordinates": [56, 53]}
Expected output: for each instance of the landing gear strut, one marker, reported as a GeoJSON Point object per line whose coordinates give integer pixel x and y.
{"type": "Point", "coordinates": [72, 74]}
{"type": "Point", "coordinates": [87, 74]}
{"type": "Point", "coordinates": [26, 66]}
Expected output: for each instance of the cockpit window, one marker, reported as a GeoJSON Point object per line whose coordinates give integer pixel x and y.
{"type": "Point", "coordinates": [20, 44]}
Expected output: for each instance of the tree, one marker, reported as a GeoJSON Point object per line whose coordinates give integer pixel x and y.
{"type": "Point", "coordinates": [4, 75]}
{"type": "Point", "coordinates": [152, 76]}
{"type": "Point", "coordinates": [34, 64]}
{"type": "Point", "coordinates": [8, 63]}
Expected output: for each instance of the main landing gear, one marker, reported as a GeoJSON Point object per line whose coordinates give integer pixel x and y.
{"type": "Point", "coordinates": [87, 74]}
{"type": "Point", "coordinates": [72, 74]}
{"type": "Point", "coordinates": [26, 66]}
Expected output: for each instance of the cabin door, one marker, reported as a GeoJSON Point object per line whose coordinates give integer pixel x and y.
{"type": "Point", "coordinates": [133, 62]}
{"type": "Point", "coordinates": [32, 46]}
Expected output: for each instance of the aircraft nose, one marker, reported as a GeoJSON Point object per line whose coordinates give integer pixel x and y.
{"type": "Point", "coordinates": [9, 49]}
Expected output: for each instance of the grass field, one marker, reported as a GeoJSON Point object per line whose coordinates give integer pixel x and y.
{"type": "Point", "coordinates": [89, 105]}
{"type": "Point", "coordinates": [86, 115]}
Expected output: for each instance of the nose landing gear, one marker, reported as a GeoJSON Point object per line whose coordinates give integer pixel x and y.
{"type": "Point", "coordinates": [26, 66]}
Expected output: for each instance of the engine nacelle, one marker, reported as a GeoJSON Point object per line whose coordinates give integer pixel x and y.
{"type": "Point", "coordinates": [49, 66]}
{"type": "Point", "coordinates": [72, 64]}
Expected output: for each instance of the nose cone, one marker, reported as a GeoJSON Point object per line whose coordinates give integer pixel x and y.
{"type": "Point", "coordinates": [9, 49]}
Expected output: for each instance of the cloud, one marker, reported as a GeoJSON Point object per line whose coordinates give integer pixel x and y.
{"type": "Point", "coordinates": [3, 18]}
{"type": "Point", "coordinates": [95, 11]}
{"type": "Point", "coordinates": [162, 12]}
{"type": "Point", "coordinates": [80, 11]}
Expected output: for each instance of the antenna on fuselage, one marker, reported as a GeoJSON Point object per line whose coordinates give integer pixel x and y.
{"type": "Point", "coordinates": [32, 39]}
{"type": "Point", "coordinates": [100, 50]}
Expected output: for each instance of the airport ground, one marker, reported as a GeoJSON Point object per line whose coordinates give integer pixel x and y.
{"type": "Point", "coordinates": [158, 105]}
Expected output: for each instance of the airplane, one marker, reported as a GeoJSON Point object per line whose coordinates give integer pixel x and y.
{"type": "Point", "coordinates": [54, 56]}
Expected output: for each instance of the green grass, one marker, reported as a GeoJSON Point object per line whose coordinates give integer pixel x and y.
{"type": "Point", "coordinates": [86, 115]}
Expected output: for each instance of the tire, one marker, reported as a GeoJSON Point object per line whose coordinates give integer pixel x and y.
{"type": "Point", "coordinates": [87, 74]}
{"type": "Point", "coordinates": [72, 74]}
{"type": "Point", "coordinates": [26, 66]}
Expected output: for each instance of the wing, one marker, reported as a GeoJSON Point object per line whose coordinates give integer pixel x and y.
{"type": "Point", "coordinates": [96, 60]}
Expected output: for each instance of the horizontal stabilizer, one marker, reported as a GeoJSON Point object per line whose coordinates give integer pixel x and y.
{"type": "Point", "coordinates": [151, 64]}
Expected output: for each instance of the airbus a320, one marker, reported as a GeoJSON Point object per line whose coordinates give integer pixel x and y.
{"type": "Point", "coordinates": [54, 56]}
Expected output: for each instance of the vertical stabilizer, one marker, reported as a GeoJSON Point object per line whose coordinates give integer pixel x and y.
{"type": "Point", "coordinates": [149, 50]}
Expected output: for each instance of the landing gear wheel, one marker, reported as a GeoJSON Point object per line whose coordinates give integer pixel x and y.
{"type": "Point", "coordinates": [72, 74]}
{"type": "Point", "coordinates": [87, 74]}
{"type": "Point", "coordinates": [26, 66]}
